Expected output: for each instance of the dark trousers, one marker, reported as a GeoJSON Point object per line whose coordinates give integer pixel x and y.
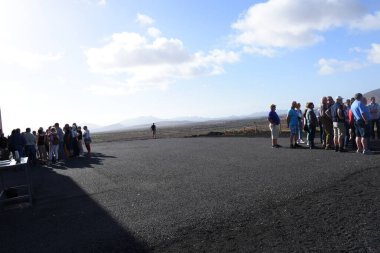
{"type": "Point", "coordinates": [373, 123]}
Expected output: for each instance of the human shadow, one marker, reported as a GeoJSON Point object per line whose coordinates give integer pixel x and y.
{"type": "Point", "coordinates": [64, 218]}
{"type": "Point", "coordinates": [81, 162]}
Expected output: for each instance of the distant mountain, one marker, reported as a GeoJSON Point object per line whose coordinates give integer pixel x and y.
{"type": "Point", "coordinates": [146, 121]}
{"type": "Point", "coordinates": [374, 93]}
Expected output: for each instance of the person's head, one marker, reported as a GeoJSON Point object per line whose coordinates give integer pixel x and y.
{"type": "Point", "coordinates": [79, 128]}
{"type": "Point", "coordinates": [18, 130]}
{"type": "Point", "coordinates": [310, 105]}
{"type": "Point", "coordinates": [324, 100]}
{"type": "Point", "coordinates": [85, 127]}
{"type": "Point", "coordinates": [294, 104]}
{"type": "Point", "coordinates": [373, 100]}
{"type": "Point", "coordinates": [53, 130]}
{"type": "Point", "coordinates": [339, 99]}
{"type": "Point", "coordinates": [273, 107]}
{"type": "Point", "coordinates": [298, 105]}
{"type": "Point", "coordinates": [330, 100]}
{"type": "Point", "coordinates": [348, 102]}
{"type": "Point", "coordinates": [27, 129]}
{"type": "Point", "coordinates": [364, 100]}
{"type": "Point", "coordinates": [40, 130]}
{"type": "Point", "coordinates": [358, 96]}
{"type": "Point", "coordinates": [34, 132]}
{"type": "Point", "coordinates": [56, 125]}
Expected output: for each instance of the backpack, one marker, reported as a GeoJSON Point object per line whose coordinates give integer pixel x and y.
{"type": "Point", "coordinates": [55, 139]}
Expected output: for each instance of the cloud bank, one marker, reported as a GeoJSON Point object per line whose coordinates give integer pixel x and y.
{"type": "Point", "coordinates": [291, 24]}
{"type": "Point", "coordinates": [153, 61]}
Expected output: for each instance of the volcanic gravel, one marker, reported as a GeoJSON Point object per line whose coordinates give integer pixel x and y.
{"type": "Point", "coordinates": [200, 195]}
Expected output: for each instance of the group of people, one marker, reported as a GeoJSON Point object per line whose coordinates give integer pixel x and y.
{"type": "Point", "coordinates": [342, 124]}
{"type": "Point", "coordinates": [47, 146]}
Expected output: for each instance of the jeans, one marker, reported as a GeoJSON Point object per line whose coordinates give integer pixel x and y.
{"type": "Point", "coordinates": [300, 129]}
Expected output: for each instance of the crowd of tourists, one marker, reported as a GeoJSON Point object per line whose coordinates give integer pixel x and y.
{"type": "Point", "coordinates": [343, 125]}
{"type": "Point", "coordinates": [49, 145]}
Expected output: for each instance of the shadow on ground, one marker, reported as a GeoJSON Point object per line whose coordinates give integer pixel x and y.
{"type": "Point", "coordinates": [63, 218]}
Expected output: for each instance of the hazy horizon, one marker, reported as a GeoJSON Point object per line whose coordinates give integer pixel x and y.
{"type": "Point", "coordinates": [105, 61]}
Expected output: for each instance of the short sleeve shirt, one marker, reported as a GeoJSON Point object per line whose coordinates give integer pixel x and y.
{"type": "Point", "coordinates": [273, 117]}
{"type": "Point", "coordinates": [293, 115]}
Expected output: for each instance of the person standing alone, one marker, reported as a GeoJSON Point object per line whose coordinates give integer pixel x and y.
{"type": "Point", "coordinates": [274, 126]}
{"type": "Point", "coordinates": [154, 129]}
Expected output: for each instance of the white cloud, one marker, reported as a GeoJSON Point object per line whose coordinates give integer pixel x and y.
{"type": "Point", "coordinates": [102, 2]}
{"type": "Point", "coordinates": [278, 24]}
{"type": "Point", "coordinates": [367, 23]}
{"type": "Point", "coordinates": [332, 66]}
{"type": "Point", "coordinates": [144, 19]}
{"type": "Point", "coordinates": [26, 59]}
{"type": "Point", "coordinates": [154, 32]}
{"type": "Point", "coordinates": [146, 62]}
{"type": "Point", "coordinates": [374, 54]}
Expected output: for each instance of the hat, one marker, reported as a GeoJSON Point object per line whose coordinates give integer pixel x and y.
{"type": "Point", "coordinates": [338, 98]}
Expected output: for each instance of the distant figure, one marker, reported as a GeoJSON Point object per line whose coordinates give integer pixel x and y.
{"type": "Point", "coordinates": [80, 142]}
{"type": "Point", "coordinates": [274, 126]}
{"type": "Point", "coordinates": [87, 139]}
{"type": "Point", "coordinates": [362, 124]}
{"type": "Point", "coordinates": [53, 145]}
{"type": "Point", "coordinates": [374, 109]}
{"type": "Point", "coordinates": [300, 124]}
{"type": "Point", "coordinates": [41, 139]}
{"type": "Point", "coordinates": [311, 122]}
{"type": "Point", "coordinates": [4, 152]}
{"type": "Point", "coordinates": [339, 121]}
{"type": "Point", "coordinates": [154, 129]}
{"type": "Point", "coordinates": [30, 145]}
{"type": "Point", "coordinates": [329, 128]}
{"type": "Point", "coordinates": [61, 150]}
{"type": "Point", "coordinates": [292, 121]}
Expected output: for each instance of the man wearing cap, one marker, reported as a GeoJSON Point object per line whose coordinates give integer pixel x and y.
{"type": "Point", "coordinates": [338, 118]}
{"type": "Point", "coordinates": [362, 123]}
{"type": "Point", "coordinates": [374, 109]}
{"type": "Point", "coordinates": [274, 126]}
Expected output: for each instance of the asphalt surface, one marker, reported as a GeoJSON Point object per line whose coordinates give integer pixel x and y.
{"type": "Point", "coordinates": [200, 195]}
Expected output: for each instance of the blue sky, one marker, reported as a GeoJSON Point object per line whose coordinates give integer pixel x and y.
{"type": "Point", "coordinates": [101, 62]}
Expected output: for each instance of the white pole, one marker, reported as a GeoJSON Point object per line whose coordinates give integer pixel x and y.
{"type": "Point", "coordinates": [1, 124]}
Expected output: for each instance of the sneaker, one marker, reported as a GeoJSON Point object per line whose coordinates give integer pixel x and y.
{"type": "Point", "coordinates": [300, 141]}
{"type": "Point", "coordinates": [367, 152]}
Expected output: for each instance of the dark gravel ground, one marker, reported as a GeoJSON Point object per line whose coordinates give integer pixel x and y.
{"type": "Point", "coordinates": [200, 195]}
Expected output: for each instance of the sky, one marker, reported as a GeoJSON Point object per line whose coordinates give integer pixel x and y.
{"type": "Point", "coordinates": [105, 61]}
